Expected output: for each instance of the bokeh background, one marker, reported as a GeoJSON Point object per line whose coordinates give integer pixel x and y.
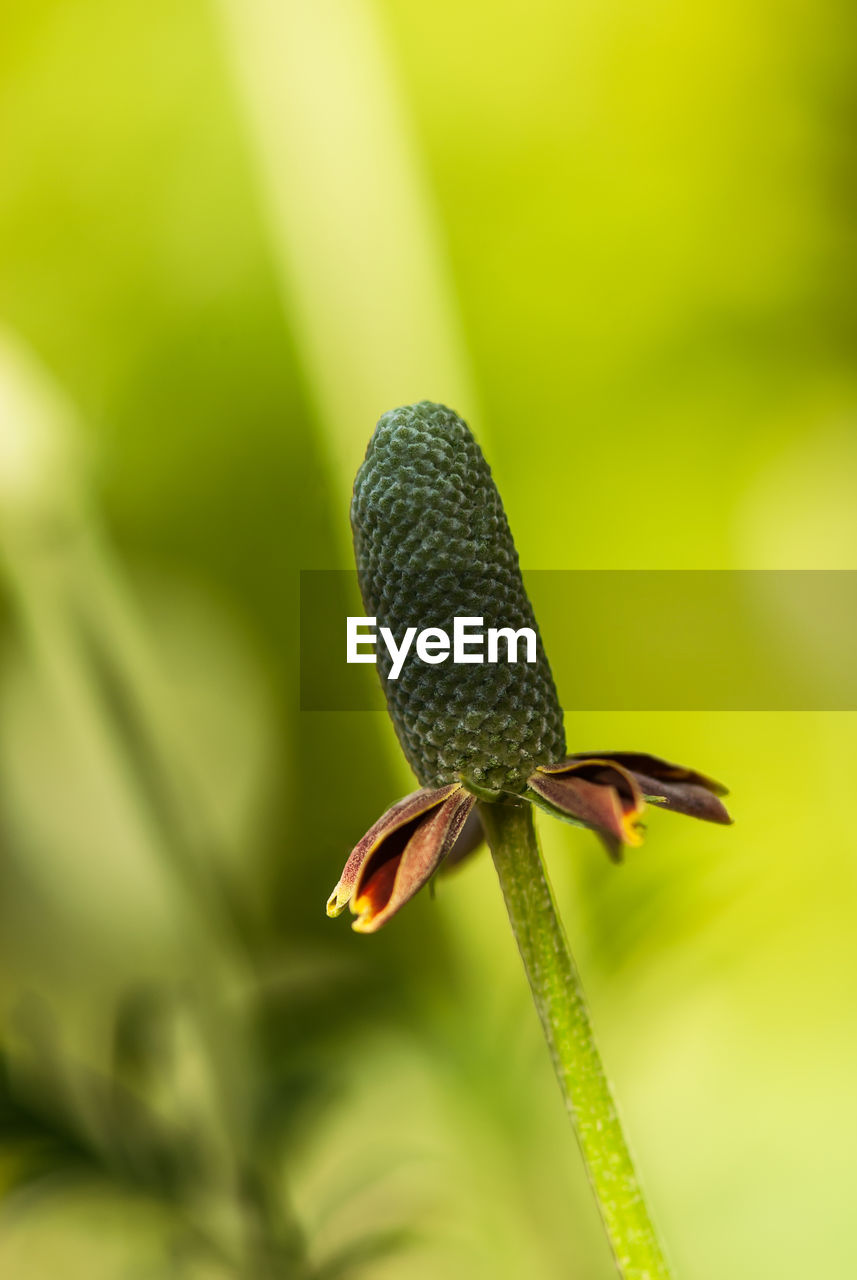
{"type": "Point", "coordinates": [621, 239]}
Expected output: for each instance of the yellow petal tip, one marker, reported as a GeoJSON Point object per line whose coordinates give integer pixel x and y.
{"type": "Point", "coordinates": [336, 904]}
{"type": "Point", "coordinates": [364, 924]}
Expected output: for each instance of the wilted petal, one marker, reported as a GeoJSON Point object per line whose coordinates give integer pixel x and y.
{"type": "Point", "coordinates": [684, 797]}
{"type": "Point", "coordinates": [671, 786]}
{"type": "Point", "coordinates": [398, 816]}
{"type": "Point", "coordinates": [599, 793]}
{"type": "Point", "coordinates": [469, 841]}
{"type": "Point", "coordinates": [652, 767]}
{"type": "Point", "coordinates": [404, 859]}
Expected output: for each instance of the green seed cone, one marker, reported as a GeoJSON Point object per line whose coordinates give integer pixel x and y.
{"type": "Point", "coordinates": [432, 543]}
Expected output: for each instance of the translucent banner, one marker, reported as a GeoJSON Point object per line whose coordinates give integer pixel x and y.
{"type": "Point", "coordinates": [634, 640]}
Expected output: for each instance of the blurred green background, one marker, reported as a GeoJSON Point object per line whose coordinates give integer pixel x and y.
{"type": "Point", "coordinates": [621, 239]}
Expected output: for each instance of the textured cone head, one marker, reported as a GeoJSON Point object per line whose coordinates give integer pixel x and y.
{"type": "Point", "coordinates": [432, 543]}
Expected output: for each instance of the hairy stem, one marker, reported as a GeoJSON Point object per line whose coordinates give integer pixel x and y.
{"type": "Point", "coordinates": [561, 1005]}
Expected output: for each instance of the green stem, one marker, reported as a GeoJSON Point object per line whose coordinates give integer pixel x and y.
{"type": "Point", "coordinates": [561, 1005]}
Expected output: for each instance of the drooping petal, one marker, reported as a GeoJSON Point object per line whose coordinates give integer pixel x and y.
{"type": "Point", "coordinates": [470, 840]}
{"type": "Point", "coordinates": [653, 767]}
{"type": "Point", "coordinates": [598, 793]}
{"type": "Point", "coordinates": [398, 816]}
{"type": "Point", "coordinates": [685, 797]}
{"type": "Point", "coordinates": [671, 786]}
{"type": "Point", "coordinates": [406, 858]}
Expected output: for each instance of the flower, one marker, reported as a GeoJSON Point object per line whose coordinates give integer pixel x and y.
{"type": "Point", "coordinates": [605, 792]}
{"type": "Point", "coordinates": [432, 543]}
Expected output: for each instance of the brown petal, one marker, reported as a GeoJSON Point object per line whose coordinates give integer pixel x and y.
{"type": "Point", "coordinates": [470, 841]}
{"type": "Point", "coordinates": [650, 767]}
{"type": "Point", "coordinates": [403, 861]}
{"type": "Point", "coordinates": [599, 794]}
{"type": "Point", "coordinates": [397, 816]}
{"type": "Point", "coordinates": [684, 797]}
{"type": "Point", "coordinates": [671, 786]}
